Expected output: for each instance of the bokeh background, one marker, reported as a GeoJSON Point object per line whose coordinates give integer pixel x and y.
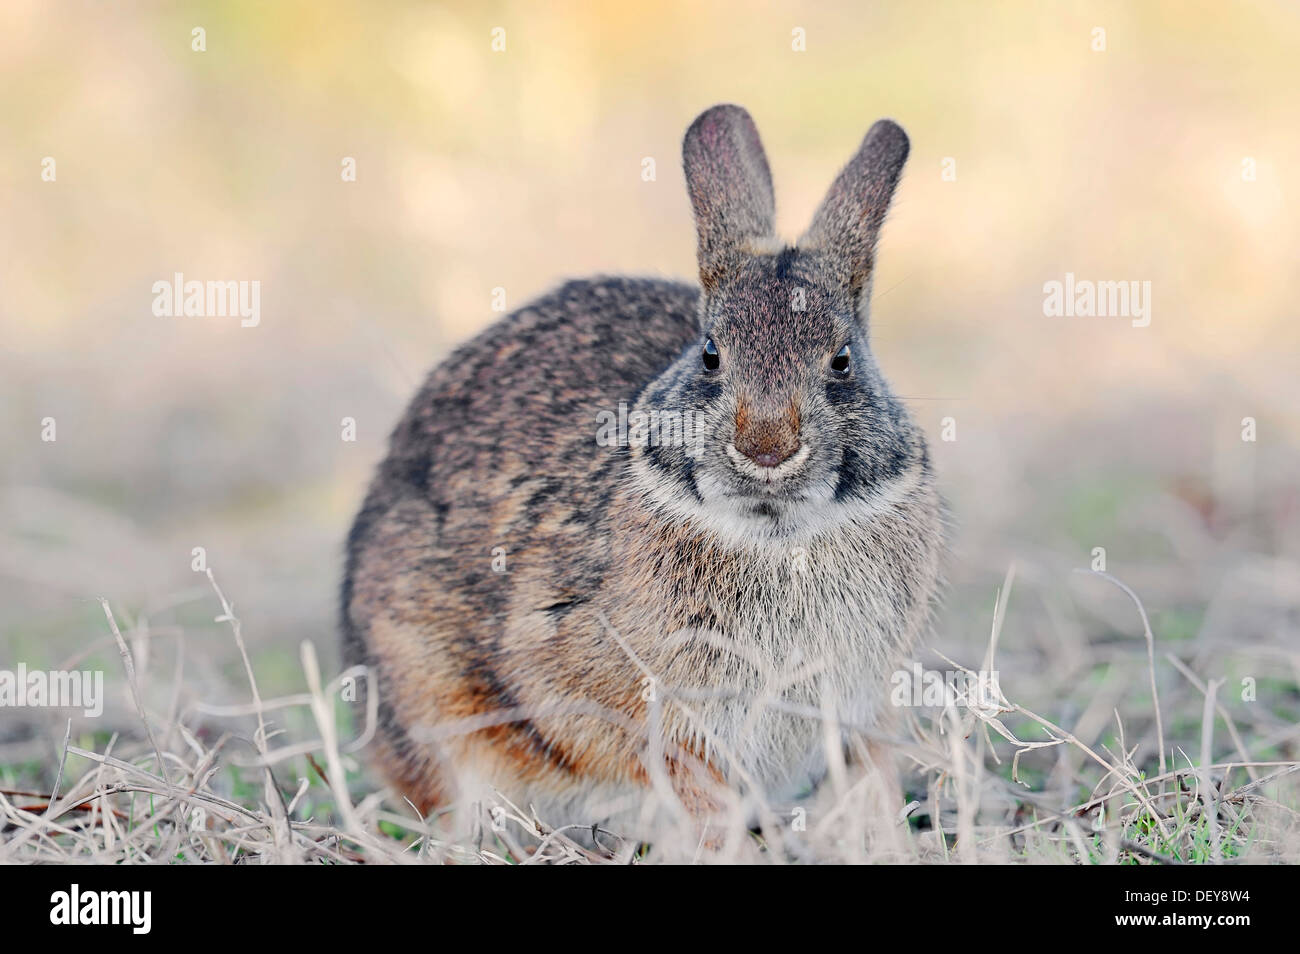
{"type": "Point", "coordinates": [479, 169]}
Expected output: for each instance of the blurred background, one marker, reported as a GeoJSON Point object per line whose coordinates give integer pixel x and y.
{"type": "Point", "coordinates": [1164, 149]}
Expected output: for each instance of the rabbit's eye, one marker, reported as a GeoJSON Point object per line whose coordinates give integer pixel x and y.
{"type": "Point", "coordinates": [840, 363]}
{"type": "Point", "coordinates": [710, 355]}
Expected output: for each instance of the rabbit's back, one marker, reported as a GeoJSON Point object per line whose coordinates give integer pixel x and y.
{"type": "Point", "coordinates": [494, 494]}
{"type": "Point", "coordinates": [517, 405]}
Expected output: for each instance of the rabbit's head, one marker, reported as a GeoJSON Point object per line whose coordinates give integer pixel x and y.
{"type": "Point", "coordinates": [793, 421]}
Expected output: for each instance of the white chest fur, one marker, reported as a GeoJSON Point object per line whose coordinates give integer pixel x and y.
{"type": "Point", "coordinates": [805, 638]}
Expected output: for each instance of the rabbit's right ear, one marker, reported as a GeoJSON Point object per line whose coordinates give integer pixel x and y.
{"type": "Point", "coordinates": [730, 187]}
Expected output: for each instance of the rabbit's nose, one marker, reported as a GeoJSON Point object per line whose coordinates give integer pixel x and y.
{"type": "Point", "coordinates": [771, 458]}
{"type": "Point", "coordinates": [769, 441]}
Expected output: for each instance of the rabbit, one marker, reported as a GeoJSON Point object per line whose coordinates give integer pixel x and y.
{"type": "Point", "coordinates": [603, 630]}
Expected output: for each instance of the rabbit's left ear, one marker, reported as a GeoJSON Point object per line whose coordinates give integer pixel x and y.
{"type": "Point", "coordinates": [731, 189]}
{"type": "Point", "coordinates": [847, 225]}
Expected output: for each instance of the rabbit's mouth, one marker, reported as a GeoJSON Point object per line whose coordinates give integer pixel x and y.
{"type": "Point", "coordinates": [773, 474]}
{"type": "Point", "coordinates": [771, 495]}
